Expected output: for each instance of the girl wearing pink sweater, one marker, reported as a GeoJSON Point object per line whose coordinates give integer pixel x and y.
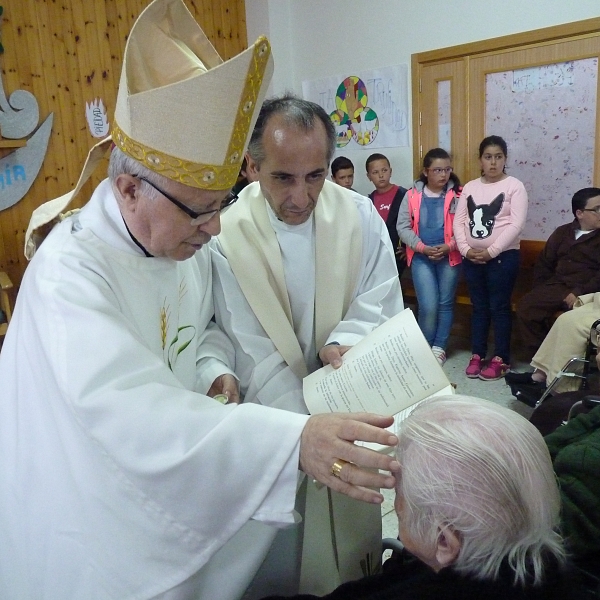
{"type": "Point", "coordinates": [489, 220]}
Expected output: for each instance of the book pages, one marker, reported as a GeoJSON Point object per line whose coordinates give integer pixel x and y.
{"type": "Point", "coordinates": [386, 372]}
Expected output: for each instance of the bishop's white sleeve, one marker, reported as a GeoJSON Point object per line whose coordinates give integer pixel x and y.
{"type": "Point", "coordinates": [378, 296]}
{"type": "Point", "coordinates": [118, 480]}
{"type": "Point", "coordinates": [215, 354]}
{"type": "Point", "coordinates": [264, 375]}
{"type": "Point", "coordinates": [202, 466]}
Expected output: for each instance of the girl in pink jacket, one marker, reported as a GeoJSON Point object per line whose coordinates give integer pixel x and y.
{"type": "Point", "coordinates": [425, 225]}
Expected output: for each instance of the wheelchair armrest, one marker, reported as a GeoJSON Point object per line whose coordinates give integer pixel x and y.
{"type": "Point", "coordinates": [591, 401]}
{"type": "Point", "coordinates": [391, 544]}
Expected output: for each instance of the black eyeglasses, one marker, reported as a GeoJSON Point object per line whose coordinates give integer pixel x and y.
{"type": "Point", "coordinates": [198, 218]}
{"type": "Point", "coordinates": [596, 209]}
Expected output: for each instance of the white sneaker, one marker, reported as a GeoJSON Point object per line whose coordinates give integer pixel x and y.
{"type": "Point", "coordinates": [439, 353]}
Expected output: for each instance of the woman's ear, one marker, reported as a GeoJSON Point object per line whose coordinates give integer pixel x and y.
{"type": "Point", "coordinates": [448, 546]}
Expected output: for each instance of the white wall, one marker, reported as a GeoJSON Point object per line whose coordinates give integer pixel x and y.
{"type": "Point", "coordinates": [318, 38]}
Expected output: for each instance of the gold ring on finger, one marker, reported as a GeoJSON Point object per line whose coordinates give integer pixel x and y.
{"type": "Point", "coordinates": [338, 465]}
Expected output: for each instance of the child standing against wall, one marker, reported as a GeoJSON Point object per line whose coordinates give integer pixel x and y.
{"type": "Point", "coordinates": [342, 172]}
{"type": "Point", "coordinates": [386, 197]}
{"type": "Point", "coordinates": [490, 217]}
{"type": "Point", "coordinates": [425, 223]}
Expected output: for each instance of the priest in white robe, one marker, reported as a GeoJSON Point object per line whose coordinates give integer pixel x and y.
{"type": "Point", "coordinates": [303, 270]}
{"type": "Point", "coordinates": [122, 476]}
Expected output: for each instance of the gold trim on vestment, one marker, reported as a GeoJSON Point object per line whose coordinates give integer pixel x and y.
{"type": "Point", "coordinates": [207, 177]}
{"type": "Point", "coordinates": [254, 78]}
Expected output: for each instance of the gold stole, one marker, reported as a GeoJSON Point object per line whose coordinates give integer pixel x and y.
{"type": "Point", "coordinates": [252, 250]}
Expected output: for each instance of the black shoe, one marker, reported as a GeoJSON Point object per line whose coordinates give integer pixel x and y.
{"type": "Point", "coordinates": [529, 393]}
{"type": "Point", "coordinates": [512, 378]}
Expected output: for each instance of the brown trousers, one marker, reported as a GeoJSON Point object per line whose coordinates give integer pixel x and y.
{"type": "Point", "coordinates": [535, 311]}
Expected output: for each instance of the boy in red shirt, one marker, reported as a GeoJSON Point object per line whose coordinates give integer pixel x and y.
{"type": "Point", "coordinates": [386, 197]}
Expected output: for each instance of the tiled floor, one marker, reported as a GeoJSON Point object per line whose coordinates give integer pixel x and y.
{"type": "Point", "coordinates": [497, 391]}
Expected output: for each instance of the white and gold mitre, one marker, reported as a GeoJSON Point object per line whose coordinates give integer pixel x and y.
{"type": "Point", "coordinates": [181, 111]}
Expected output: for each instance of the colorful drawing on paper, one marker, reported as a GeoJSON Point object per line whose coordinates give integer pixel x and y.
{"type": "Point", "coordinates": [368, 108]}
{"type": "Point", "coordinates": [353, 119]}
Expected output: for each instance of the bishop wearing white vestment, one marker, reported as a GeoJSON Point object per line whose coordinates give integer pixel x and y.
{"type": "Point", "coordinates": [123, 333]}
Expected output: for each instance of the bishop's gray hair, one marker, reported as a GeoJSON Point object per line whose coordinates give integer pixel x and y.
{"type": "Point", "coordinates": [120, 163]}
{"type": "Point", "coordinates": [486, 472]}
{"type": "Point", "coordinates": [297, 112]}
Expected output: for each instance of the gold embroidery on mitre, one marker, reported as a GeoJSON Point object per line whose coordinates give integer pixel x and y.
{"type": "Point", "coordinates": [198, 175]}
{"type": "Point", "coordinates": [248, 99]}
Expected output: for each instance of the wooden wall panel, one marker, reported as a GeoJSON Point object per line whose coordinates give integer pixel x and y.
{"type": "Point", "coordinates": [67, 53]}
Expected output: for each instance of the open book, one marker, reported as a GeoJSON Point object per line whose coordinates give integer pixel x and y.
{"type": "Point", "coordinates": [387, 373]}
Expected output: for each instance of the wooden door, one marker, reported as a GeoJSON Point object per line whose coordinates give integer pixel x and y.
{"type": "Point", "coordinates": [536, 89]}
{"type": "Point", "coordinates": [543, 101]}
{"type": "Point", "coordinates": [441, 113]}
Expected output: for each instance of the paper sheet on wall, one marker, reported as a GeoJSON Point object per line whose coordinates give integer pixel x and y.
{"type": "Point", "coordinates": [387, 373]}
{"type": "Point", "coordinates": [368, 108]}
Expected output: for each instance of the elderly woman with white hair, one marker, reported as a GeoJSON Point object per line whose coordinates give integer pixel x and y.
{"type": "Point", "coordinates": [478, 507]}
